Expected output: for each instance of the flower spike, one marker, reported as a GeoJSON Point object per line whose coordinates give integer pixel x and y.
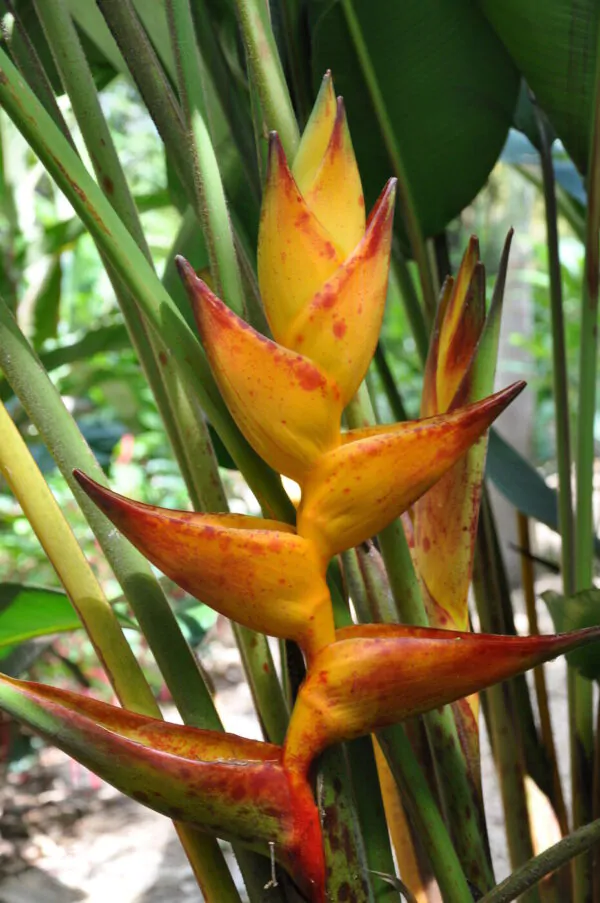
{"type": "Point", "coordinates": [338, 329]}
{"type": "Point", "coordinates": [286, 406]}
{"type": "Point", "coordinates": [357, 489]}
{"type": "Point", "coordinates": [316, 136]}
{"type": "Point", "coordinates": [376, 675]}
{"type": "Point", "coordinates": [223, 784]}
{"type": "Point", "coordinates": [296, 253]}
{"type": "Point", "coordinates": [255, 571]}
{"type": "Point", "coordinates": [335, 195]}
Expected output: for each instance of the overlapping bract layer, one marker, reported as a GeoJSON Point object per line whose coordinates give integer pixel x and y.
{"type": "Point", "coordinates": [378, 674]}
{"type": "Point", "coordinates": [255, 571]}
{"type": "Point", "coordinates": [227, 785]}
{"type": "Point", "coordinates": [460, 369]}
{"type": "Point", "coordinates": [323, 277]}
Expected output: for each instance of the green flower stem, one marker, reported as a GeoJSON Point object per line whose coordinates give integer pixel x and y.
{"type": "Point", "coordinates": [182, 418]}
{"type": "Point", "coordinates": [501, 708]}
{"type": "Point", "coordinates": [389, 384]}
{"type": "Point", "coordinates": [149, 76]}
{"type": "Point", "coordinates": [343, 840]}
{"type": "Point", "coordinates": [371, 814]}
{"type": "Point", "coordinates": [539, 677]}
{"type": "Point", "coordinates": [424, 811]}
{"type": "Point", "coordinates": [580, 690]}
{"type": "Point", "coordinates": [267, 73]}
{"type": "Point", "coordinates": [409, 212]}
{"type": "Point", "coordinates": [50, 526]}
{"type": "Point", "coordinates": [208, 186]}
{"type": "Point", "coordinates": [101, 625]}
{"type": "Point", "coordinates": [530, 874]}
{"type": "Point", "coordinates": [68, 448]}
{"type": "Point", "coordinates": [402, 287]}
{"type": "Point", "coordinates": [457, 792]}
{"type": "Point", "coordinates": [100, 218]}
{"type": "Point", "coordinates": [559, 364]}
{"type": "Point", "coordinates": [143, 592]}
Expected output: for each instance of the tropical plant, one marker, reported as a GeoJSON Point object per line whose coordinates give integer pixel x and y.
{"type": "Point", "coordinates": [366, 581]}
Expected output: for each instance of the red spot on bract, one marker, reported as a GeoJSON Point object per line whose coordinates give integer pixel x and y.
{"type": "Point", "coordinates": [361, 202]}
{"type": "Point", "coordinates": [328, 250]}
{"type": "Point", "coordinates": [162, 356]}
{"type": "Point", "coordinates": [307, 375]}
{"type": "Point", "coordinates": [339, 328]}
{"type": "Point", "coordinates": [426, 543]}
{"type": "Point", "coordinates": [265, 667]}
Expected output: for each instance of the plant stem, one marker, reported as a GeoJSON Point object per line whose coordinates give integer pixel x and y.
{"type": "Point", "coordinates": [69, 449]}
{"type": "Point", "coordinates": [509, 762]}
{"type": "Point", "coordinates": [530, 874]}
{"type": "Point", "coordinates": [580, 690]}
{"type": "Point", "coordinates": [267, 73]}
{"type": "Point", "coordinates": [455, 786]}
{"type": "Point", "coordinates": [409, 211]}
{"type": "Point", "coordinates": [425, 814]}
{"type": "Point", "coordinates": [402, 287]}
{"type": "Point", "coordinates": [559, 364]}
{"type": "Point", "coordinates": [208, 186]}
{"type": "Point", "coordinates": [50, 526]}
{"type": "Point", "coordinates": [541, 690]}
{"type": "Point", "coordinates": [68, 171]}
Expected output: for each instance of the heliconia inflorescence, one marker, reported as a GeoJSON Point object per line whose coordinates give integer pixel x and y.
{"type": "Point", "coordinates": [323, 271]}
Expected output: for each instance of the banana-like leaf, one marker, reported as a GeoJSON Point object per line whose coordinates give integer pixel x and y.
{"type": "Point", "coordinates": [553, 42]}
{"type": "Point", "coordinates": [377, 473]}
{"type": "Point", "coordinates": [221, 783]}
{"type": "Point", "coordinates": [575, 613]}
{"type": "Point", "coordinates": [376, 675]}
{"type": "Point", "coordinates": [256, 571]}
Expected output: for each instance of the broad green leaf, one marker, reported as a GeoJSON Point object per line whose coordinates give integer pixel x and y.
{"type": "Point", "coordinates": [32, 611]}
{"type": "Point", "coordinates": [448, 86]}
{"type": "Point", "coordinates": [553, 42]}
{"type": "Point", "coordinates": [521, 484]}
{"type": "Point", "coordinates": [572, 613]}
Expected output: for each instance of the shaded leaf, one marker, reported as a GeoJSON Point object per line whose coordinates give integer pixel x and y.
{"type": "Point", "coordinates": [449, 90]}
{"type": "Point", "coordinates": [574, 613]}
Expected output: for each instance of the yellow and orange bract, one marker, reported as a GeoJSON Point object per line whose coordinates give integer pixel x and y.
{"type": "Point", "coordinates": [257, 572]}
{"type": "Point", "coordinates": [461, 361]}
{"type": "Point", "coordinates": [323, 273]}
{"type": "Point", "coordinates": [225, 784]}
{"type": "Point", "coordinates": [375, 675]}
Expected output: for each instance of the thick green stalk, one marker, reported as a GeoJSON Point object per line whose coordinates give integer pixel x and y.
{"type": "Point", "coordinates": [126, 676]}
{"type": "Point", "coordinates": [389, 384]}
{"type": "Point", "coordinates": [403, 287]}
{"type": "Point", "coordinates": [178, 415]}
{"type": "Point", "coordinates": [143, 592]}
{"type": "Point", "coordinates": [68, 448]}
{"type": "Point", "coordinates": [530, 874]}
{"type": "Point", "coordinates": [559, 364]}
{"type": "Point", "coordinates": [425, 814]}
{"type": "Point", "coordinates": [208, 186]}
{"type": "Point", "coordinates": [409, 212]}
{"type": "Point", "coordinates": [267, 73]}
{"type": "Point", "coordinates": [96, 212]}
{"type": "Point", "coordinates": [56, 537]}
{"type": "Point", "coordinates": [509, 761]}
{"type": "Point", "coordinates": [460, 799]}
{"type": "Point", "coordinates": [580, 690]}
